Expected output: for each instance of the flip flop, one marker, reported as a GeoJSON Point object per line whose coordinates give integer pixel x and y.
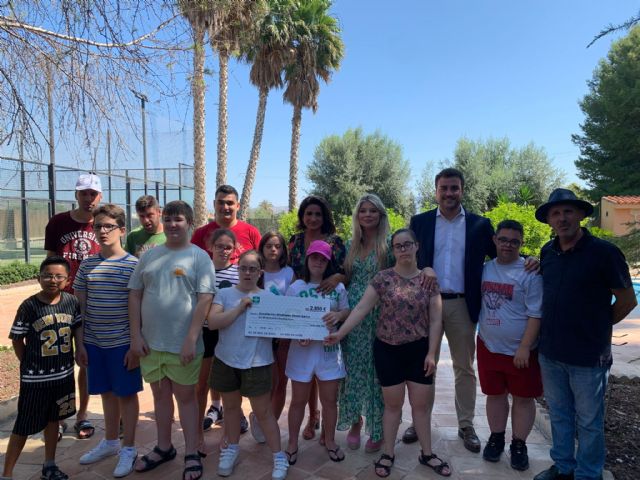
{"type": "Point", "coordinates": [292, 457]}
{"type": "Point", "coordinates": [84, 429]}
{"type": "Point", "coordinates": [335, 454]}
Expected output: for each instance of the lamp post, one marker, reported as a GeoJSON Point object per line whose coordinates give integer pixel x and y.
{"type": "Point", "coordinates": [143, 100]}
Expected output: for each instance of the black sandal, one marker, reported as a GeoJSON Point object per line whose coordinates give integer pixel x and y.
{"type": "Point", "coordinates": [292, 457]}
{"type": "Point", "coordinates": [165, 456]}
{"type": "Point", "coordinates": [424, 460]}
{"type": "Point", "coordinates": [193, 457]}
{"type": "Point", "coordinates": [386, 468]}
{"type": "Point", "coordinates": [53, 473]}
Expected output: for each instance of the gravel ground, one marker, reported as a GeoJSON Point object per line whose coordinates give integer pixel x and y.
{"type": "Point", "coordinates": [622, 428]}
{"type": "Point", "coordinates": [10, 374]}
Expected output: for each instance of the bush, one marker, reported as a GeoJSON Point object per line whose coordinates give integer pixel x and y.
{"type": "Point", "coordinates": [17, 272]}
{"type": "Point", "coordinates": [287, 223]}
{"type": "Point", "coordinates": [536, 234]}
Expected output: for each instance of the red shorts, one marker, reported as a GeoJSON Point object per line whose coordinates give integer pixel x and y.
{"type": "Point", "coordinates": [498, 374]}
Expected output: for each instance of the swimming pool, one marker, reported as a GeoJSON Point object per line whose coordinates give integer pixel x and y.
{"type": "Point", "coordinates": [636, 287]}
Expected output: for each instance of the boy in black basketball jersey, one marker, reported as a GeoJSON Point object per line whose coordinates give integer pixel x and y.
{"type": "Point", "coordinates": [42, 340]}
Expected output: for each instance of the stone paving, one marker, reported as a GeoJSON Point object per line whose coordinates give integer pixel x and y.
{"type": "Point", "coordinates": [313, 462]}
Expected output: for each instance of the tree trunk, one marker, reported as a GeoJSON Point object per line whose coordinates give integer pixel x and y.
{"type": "Point", "coordinates": [250, 176]}
{"type": "Point", "coordinates": [199, 161]}
{"type": "Point", "coordinates": [293, 162]}
{"type": "Point", "coordinates": [221, 175]}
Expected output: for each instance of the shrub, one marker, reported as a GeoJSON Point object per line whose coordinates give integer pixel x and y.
{"type": "Point", "coordinates": [17, 272]}
{"type": "Point", "coordinates": [536, 234]}
{"type": "Point", "coordinates": [287, 223]}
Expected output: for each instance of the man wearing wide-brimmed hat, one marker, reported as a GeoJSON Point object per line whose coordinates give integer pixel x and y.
{"type": "Point", "coordinates": [580, 273]}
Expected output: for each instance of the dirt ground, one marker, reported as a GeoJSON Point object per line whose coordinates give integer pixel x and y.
{"type": "Point", "coordinates": [10, 374]}
{"type": "Point", "coordinates": [622, 428]}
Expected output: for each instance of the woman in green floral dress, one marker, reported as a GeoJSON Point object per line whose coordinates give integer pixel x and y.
{"type": "Point", "coordinates": [360, 395]}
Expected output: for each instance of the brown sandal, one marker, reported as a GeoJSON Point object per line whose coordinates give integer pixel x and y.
{"type": "Point", "coordinates": [312, 425]}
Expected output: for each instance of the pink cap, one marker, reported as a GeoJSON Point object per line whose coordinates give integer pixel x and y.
{"type": "Point", "coordinates": [321, 247]}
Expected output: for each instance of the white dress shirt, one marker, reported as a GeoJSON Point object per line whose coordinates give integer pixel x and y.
{"type": "Point", "coordinates": [448, 251]}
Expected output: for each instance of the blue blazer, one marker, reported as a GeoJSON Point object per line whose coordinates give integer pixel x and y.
{"type": "Point", "coordinates": [478, 245]}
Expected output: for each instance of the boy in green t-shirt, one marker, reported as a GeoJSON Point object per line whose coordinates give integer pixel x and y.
{"type": "Point", "coordinates": [150, 233]}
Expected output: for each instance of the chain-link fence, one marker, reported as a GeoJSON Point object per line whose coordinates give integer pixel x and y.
{"type": "Point", "coordinates": [32, 192]}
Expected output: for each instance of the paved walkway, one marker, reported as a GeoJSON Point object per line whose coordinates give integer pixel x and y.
{"type": "Point", "coordinates": [313, 463]}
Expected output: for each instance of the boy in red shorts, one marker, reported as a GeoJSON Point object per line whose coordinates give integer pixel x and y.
{"type": "Point", "coordinates": [507, 339]}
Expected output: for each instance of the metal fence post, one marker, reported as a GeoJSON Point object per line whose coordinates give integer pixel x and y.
{"type": "Point", "coordinates": [158, 191]}
{"type": "Point", "coordinates": [128, 199]}
{"type": "Point", "coordinates": [24, 213]}
{"type": "Point", "coordinates": [52, 188]}
{"type": "Point", "coordinates": [179, 181]}
{"type": "Point", "coordinates": [164, 186]}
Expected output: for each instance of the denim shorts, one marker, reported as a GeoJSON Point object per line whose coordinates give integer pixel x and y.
{"type": "Point", "coordinates": [107, 373]}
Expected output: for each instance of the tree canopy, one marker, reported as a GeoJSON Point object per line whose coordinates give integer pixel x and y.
{"type": "Point", "coordinates": [495, 171]}
{"type": "Point", "coordinates": [346, 167]}
{"type": "Point", "coordinates": [609, 144]}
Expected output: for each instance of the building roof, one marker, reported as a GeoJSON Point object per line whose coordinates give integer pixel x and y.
{"type": "Point", "coordinates": [623, 199]}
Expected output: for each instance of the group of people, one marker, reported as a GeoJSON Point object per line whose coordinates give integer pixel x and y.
{"type": "Point", "coordinates": [170, 307]}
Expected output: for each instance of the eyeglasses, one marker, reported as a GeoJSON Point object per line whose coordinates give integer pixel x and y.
{"type": "Point", "coordinates": [512, 242]}
{"type": "Point", "coordinates": [105, 227]}
{"type": "Point", "coordinates": [57, 278]}
{"type": "Point", "coordinates": [401, 247]}
{"type": "Point", "coordinates": [245, 269]}
{"type": "Point", "coordinates": [223, 248]}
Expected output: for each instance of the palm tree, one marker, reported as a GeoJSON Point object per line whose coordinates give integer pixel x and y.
{"type": "Point", "coordinates": [318, 50]}
{"type": "Point", "coordinates": [269, 53]}
{"type": "Point", "coordinates": [231, 22]}
{"type": "Point", "coordinates": [196, 13]}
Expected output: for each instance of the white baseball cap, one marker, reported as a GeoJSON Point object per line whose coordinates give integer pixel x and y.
{"type": "Point", "coordinates": [89, 181]}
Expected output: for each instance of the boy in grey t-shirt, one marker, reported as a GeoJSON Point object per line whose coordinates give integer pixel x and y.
{"type": "Point", "coordinates": [507, 337]}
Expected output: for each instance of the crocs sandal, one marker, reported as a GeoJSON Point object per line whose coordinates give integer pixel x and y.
{"type": "Point", "coordinates": [438, 468]}
{"type": "Point", "coordinates": [84, 429]}
{"type": "Point", "coordinates": [197, 468]}
{"type": "Point", "coordinates": [165, 456]}
{"type": "Point", "coordinates": [386, 469]}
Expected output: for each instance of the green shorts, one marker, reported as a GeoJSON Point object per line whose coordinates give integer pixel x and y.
{"type": "Point", "coordinates": [158, 365]}
{"type": "Point", "coordinates": [252, 382]}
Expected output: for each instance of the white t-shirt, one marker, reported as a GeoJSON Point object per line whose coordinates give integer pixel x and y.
{"type": "Point", "coordinates": [509, 296]}
{"type": "Point", "coordinates": [234, 348]}
{"type": "Point", "coordinates": [171, 281]}
{"type": "Point", "coordinates": [278, 282]}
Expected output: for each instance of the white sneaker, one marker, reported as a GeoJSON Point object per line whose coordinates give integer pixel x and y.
{"type": "Point", "coordinates": [100, 451]}
{"type": "Point", "coordinates": [126, 459]}
{"type": "Point", "coordinates": [280, 466]}
{"type": "Point", "coordinates": [256, 431]}
{"type": "Point", "coordinates": [228, 459]}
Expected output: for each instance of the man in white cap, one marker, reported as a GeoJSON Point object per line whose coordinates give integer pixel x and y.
{"type": "Point", "coordinates": [70, 234]}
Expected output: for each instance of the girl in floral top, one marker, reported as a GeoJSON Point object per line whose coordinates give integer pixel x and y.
{"type": "Point", "coordinates": [408, 335]}
{"type": "Point", "coordinates": [315, 222]}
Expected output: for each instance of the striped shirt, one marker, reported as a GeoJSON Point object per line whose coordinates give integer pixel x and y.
{"type": "Point", "coordinates": [47, 329]}
{"type": "Point", "coordinates": [106, 316]}
{"type": "Point", "coordinates": [227, 277]}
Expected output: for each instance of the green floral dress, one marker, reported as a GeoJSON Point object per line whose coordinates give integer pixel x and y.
{"type": "Point", "coordinates": [360, 392]}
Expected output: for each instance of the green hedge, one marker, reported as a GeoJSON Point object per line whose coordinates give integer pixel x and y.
{"type": "Point", "coordinates": [17, 272]}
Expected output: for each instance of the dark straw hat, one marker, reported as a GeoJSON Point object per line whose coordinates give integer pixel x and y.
{"type": "Point", "coordinates": [559, 196]}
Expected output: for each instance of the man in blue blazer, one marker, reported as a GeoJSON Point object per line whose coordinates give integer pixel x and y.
{"type": "Point", "coordinates": [455, 243]}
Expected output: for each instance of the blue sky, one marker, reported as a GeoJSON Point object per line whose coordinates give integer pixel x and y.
{"type": "Point", "coordinates": [426, 73]}
{"type": "Point", "coordinates": [423, 72]}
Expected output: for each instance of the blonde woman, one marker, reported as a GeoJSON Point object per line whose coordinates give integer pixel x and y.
{"type": "Point", "coordinates": [368, 253]}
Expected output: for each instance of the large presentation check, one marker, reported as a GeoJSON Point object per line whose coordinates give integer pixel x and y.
{"type": "Point", "coordinates": [287, 317]}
